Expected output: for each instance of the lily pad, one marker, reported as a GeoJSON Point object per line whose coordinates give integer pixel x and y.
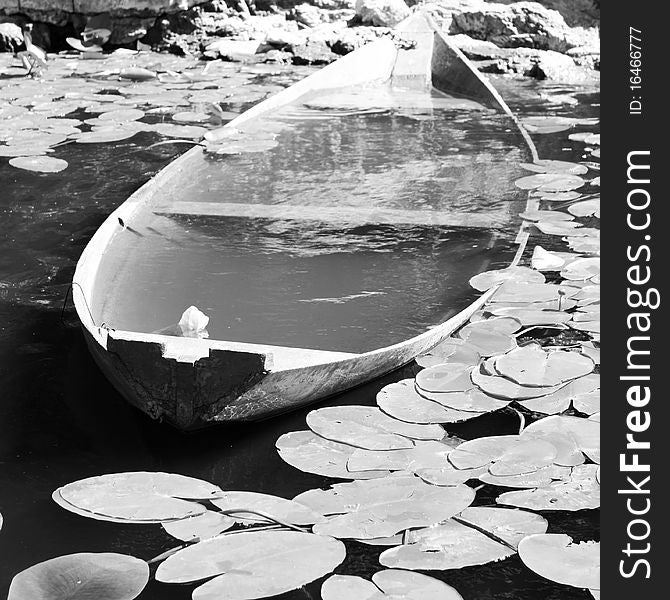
{"type": "Point", "coordinates": [488, 341]}
{"type": "Point", "coordinates": [588, 402]}
{"type": "Point", "coordinates": [473, 400]}
{"type": "Point", "coordinates": [122, 115]}
{"type": "Point", "coordinates": [530, 317]}
{"type": "Point", "coordinates": [446, 377]}
{"type": "Point", "coordinates": [533, 366]}
{"type": "Point", "coordinates": [585, 208]}
{"type": "Point", "coordinates": [464, 542]}
{"type": "Point", "coordinates": [449, 475]}
{"type": "Point", "coordinates": [540, 478]}
{"type": "Point", "coordinates": [582, 269]}
{"type": "Point", "coordinates": [550, 182]}
{"type": "Point", "coordinates": [311, 453]}
{"type": "Point", "coordinates": [499, 387]}
{"type": "Point", "coordinates": [39, 164]}
{"type": "Point", "coordinates": [103, 137]}
{"type": "Point", "coordinates": [425, 455]}
{"type": "Point", "coordinates": [383, 507]}
{"type": "Point", "coordinates": [545, 215]}
{"type": "Point", "coordinates": [452, 351]}
{"type": "Point", "coordinates": [579, 491]}
{"type": "Point", "coordinates": [533, 292]}
{"type": "Point", "coordinates": [488, 279]}
{"type": "Point", "coordinates": [368, 427]}
{"type": "Point", "coordinates": [585, 433]}
{"type": "Point", "coordinates": [559, 228]}
{"type": "Point", "coordinates": [139, 497]}
{"type": "Point", "coordinates": [388, 584]}
{"type": "Point", "coordinates": [252, 564]}
{"type": "Point", "coordinates": [200, 527]}
{"type": "Point", "coordinates": [542, 260]}
{"type": "Point", "coordinates": [281, 508]}
{"type": "Point", "coordinates": [82, 576]}
{"type": "Point", "coordinates": [191, 117]}
{"type": "Point", "coordinates": [401, 401]}
{"type": "Point", "coordinates": [555, 166]}
{"type": "Point", "coordinates": [556, 557]}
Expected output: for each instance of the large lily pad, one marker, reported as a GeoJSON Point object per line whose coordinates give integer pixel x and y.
{"type": "Point", "coordinates": [39, 164]}
{"type": "Point", "coordinates": [559, 401]}
{"type": "Point", "coordinates": [82, 576]}
{"type": "Point", "coordinates": [139, 497]}
{"type": "Point", "coordinates": [281, 508]}
{"type": "Point", "coordinates": [424, 455]}
{"type": "Point", "coordinates": [499, 387]}
{"type": "Point", "coordinates": [579, 491]}
{"type": "Point", "coordinates": [540, 478]}
{"type": "Point", "coordinates": [555, 166]}
{"type": "Point", "coordinates": [550, 182]}
{"type": "Point", "coordinates": [386, 585]}
{"type": "Point", "coordinates": [531, 317]}
{"type": "Point", "coordinates": [463, 543]}
{"type": "Point", "coordinates": [452, 351]}
{"type": "Point", "coordinates": [446, 377]}
{"type": "Point", "coordinates": [368, 427]}
{"type": "Point", "coordinates": [311, 453]}
{"type": "Point", "coordinates": [486, 280]}
{"type": "Point", "coordinates": [556, 557]}
{"type": "Point", "coordinates": [383, 507]}
{"type": "Point", "coordinates": [584, 432]}
{"type": "Point", "coordinates": [506, 454]}
{"type": "Point", "coordinates": [533, 292]}
{"type": "Point", "coordinates": [533, 366]}
{"type": "Point", "coordinates": [252, 564]}
{"type": "Point", "coordinates": [473, 400]}
{"type": "Point", "coordinates": [401, 401]}
{"type": "Point", "coordinates": [486, 338]}
{"type": "Point", "coordinates": [200, 527]}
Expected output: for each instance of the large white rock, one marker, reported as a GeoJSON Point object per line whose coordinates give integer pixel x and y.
{"type": "Point", "coordinates": [382, 13]}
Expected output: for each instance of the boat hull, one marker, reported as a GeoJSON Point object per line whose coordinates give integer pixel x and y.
{"type": "Point", "coordinates": [193, 383]}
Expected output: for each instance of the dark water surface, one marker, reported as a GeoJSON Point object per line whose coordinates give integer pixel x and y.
{"type": "Point", "coordinates": [60, 420]}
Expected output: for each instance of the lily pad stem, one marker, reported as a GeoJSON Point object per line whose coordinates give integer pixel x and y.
{"type": "Point", "coordinates": [483, 531]}
{"type": "Point", "coordinates": [260, 513]}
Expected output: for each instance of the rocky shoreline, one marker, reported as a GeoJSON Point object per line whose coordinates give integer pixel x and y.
{"type": "Point", "coordinates": [556, 40]}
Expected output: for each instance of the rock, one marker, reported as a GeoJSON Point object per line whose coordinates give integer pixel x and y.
{"type": "Point", "coordinates": [313, 16]}
{"type": "Point", "coordinates": [233, 49]}
{"type": "Point", "coordinates": [577, 13]}
{"type": "Point", "coordinates": [11, 37]}
{"type": "Point", "coordinates": [277, 57]}
{"type": "Point", "coordinates": [312, 53]}
{"type": "Point", "coordinates": [560, 68]}
{"type": "Point", "coordinates": [381, 13]}
{"type": "Point", "coordinates": [521, 24]}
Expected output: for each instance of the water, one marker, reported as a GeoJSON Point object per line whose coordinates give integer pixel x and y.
{"type": "Point", "coordinates": [351, 286]}
{"type": "Point", "coordinates": [60, 420]}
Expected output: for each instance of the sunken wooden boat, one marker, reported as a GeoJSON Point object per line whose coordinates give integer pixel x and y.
{"type": "Point", "coordinates": [192, 382]}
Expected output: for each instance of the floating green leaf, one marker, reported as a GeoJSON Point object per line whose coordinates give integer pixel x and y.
{"type": "Point", "coordinates": [555, 166]}
{"type": "Point", "coordinates": [387, 584]}
{"type": "Point", "coordinates": [281, 508]}
{"type": "Point", "coordinates": [121, 115]}
{"type": "Point", "coordinates": [488, 279]}
{"type": "Point", "coordinates": [138, 497]}
{"type": "Point", "coordinates": [556, 557]}
{"type": "Point", "coordinates": [252, 564]}
{"type": "Point", "coordinates": [82, 576]}
{"type": "Point", "coordinates": [402, 401]}
{"type": "Point", "coordinates": [545, 215]}
{"type": "Point", "coordinates": [577, 492]}
{"type": "Point", "coordinates": [585, 208]}
{"type": "Point", "coordinates": [449, 475]}
{"type": "Point", "coordinates": [368, 427]}
{"type": "Point", "coordinates": [424, 455]}
{"type": "Point", "coordinates": [550, 182]}
{"type": "Point", "coordinates": [585, 433]}
{"type": "Point", "coordinates": [199, 527]}
{"type": "Point", "coordinates": [582, 269]}
{"type": "Point", "coordinates": [311, 453]}
{"type": "Point", "coordinates": [447, 377]}
{"type": "Point", "coordinates": [499, 387]}
{"type": "Point", "coordinates": [532, 317]}
{"type": "Point", "coordinates": [477, 536]}
{"type": "Point", "coordinates": [533, 292]}
{"type": "Point", "coordinates": [383, 507]}
{"type": "Point", "coordinates": [540, 478]}
{"type": "Point", "coordinates": [484, 336]}
{"type": "Point", "coordinates": [453, 351]}
{"type": "Point", "coordinates": [531, 365]}
{"type": "Point", "coordinates": [473, 400]}
{"type": "Point", "coordinates": [39, 164]}
{"type": "Point", "coordinates": [543, 260]}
